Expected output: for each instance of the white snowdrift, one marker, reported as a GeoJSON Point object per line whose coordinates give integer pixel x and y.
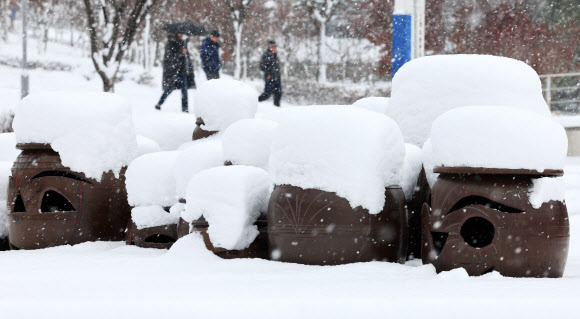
{"type": "Point", "coordinates": [427, 87]}
{"type": "Point", "coordinates": [224, 101]}
{"type": "Point", "coordinates": [198, 156]}
{"type": "Point", "coordinates": [92, 132]}
{"type": "Point", "coordinates": [247, 142]}
{"type": "Point", "coordinates": [351, 151]}
{"type": "Point", "coordinates": [152, 216]}
{"type": "Point", "coordinates": [496, 137]}
{"type": "Point", "coordinates": [230, 198]}
{"type": "Point", "coordinates": [374, 103]}
{"type": "Point", "coordinates": [150, 180]}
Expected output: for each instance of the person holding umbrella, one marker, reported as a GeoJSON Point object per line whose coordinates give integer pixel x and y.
{"type": "Point", "coordinates": [210, 56]}
{"type": "Point", "coordinates": [271, 68]}
{"type": "Point", "coordinates": [177, 66]}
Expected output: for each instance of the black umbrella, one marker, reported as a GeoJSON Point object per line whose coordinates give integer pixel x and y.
{"type": "Point", "coordinates": [186, 28]}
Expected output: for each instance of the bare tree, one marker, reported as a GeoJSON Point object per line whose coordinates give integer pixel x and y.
{"type": "Point", "coordinates": [321, 12]}
{"type": "Point", "coordinates": [112, 25]}
{"type": "Point", "coordinates": [238, 12]}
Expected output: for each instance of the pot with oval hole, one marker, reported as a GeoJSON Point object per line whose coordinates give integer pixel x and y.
{"type": "Point", "coordinates": [51, 205]}
{"type": "Point", "coordinates": [484, 220]}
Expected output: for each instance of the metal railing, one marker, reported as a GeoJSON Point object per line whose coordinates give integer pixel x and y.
{"type": "Point", "coordinates": [562, 91]}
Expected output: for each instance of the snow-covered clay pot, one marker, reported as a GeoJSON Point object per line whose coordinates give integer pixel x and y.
{"type": "Point", "coordinates": [257, 249]}
{"type": "Point", "coordinates": [338, 199]}
{"type": "Point", "coordinates": [161, 237]}
{"type": "Point", "coordinates": [498, 203]}
{"type": "Point", "coordinates": [496, 221]}
{"type": "Point", "coordinates": [50, 205]}
{"type": "Point", "coordinates": [314, 227]}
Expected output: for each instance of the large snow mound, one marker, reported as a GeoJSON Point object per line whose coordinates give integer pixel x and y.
{"type": "Point", "coordinates": [343, 149]}
{"type": "Point", "coordinates": [224, 101]}
{"type": "Point", "coordinates": [247, 142]}
{"type": "Point", "coordinates": [374, 103]}
{"type": "Point", "coordinates": [198, 156]}
{"type": "Point", "coordinates": [427, 87]}
{"type": "Point", "coordinates": [150, 179]}
{"type": "Point", "coordinates": [153, 216]}
{"type": "Point", "coordinates": [497, 137]}
{"type": "Point", "coordinates": [92, 132]}
{"type": "Point", "coordinates": [230, 198]}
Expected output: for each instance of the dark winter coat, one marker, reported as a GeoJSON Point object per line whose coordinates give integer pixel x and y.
{"type": "Point", "coordinates": [270, 65]}
{"type": "Point", "coordinates": [210, 56]}
{"type": "Point", "coordinates": [175, 64]}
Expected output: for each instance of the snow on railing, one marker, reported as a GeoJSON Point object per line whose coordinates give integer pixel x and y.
{"type": "Point", "coordinates": [567, 97]}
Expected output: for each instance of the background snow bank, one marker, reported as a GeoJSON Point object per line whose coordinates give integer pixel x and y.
{"type": "Point", "coordinates": [5, 172]}
{"type": "Point", "coordinates": [426, 87]}
{"type": "Point", "coordinates": [377, 104]}
{"type": "Point", "coordinates": [351, 151]}
{"type": "Point", "coordinates": [222, 102]}
{"type": "Point", "coordinates": [248, 142]}
{"type": "Point", "coordinates": [92, 132]}
{"type": "Point", "coordinates": [198, 155]}
{"type": "Point", "coordinates": [169, 130]}
{"type": "Point", "coordinates": [8, 150]}
{"type": "Point", "coordinates": [230, 198]}
{"type": "Point", "coordinates": [150, 180]}
{"type": "Point", "coordinates": [152, 216]}
{"type": "Point", "coordinates": [497, 137]}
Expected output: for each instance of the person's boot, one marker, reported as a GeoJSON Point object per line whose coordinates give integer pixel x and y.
{"type": "Point", "coordinates": [158, 107]}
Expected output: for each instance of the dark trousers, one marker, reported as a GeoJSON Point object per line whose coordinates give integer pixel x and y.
{"type": "Point", "coordinates": [273, 86]}
{"type": "Point", "coordinates": [212, 75]}
{"type": "Point", "coordinates": [184, 104]}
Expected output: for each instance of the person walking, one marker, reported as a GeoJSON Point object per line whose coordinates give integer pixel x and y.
{"type": "Point", "coordinates": [271, 68]}
{"type": "Point", "coordinates": [210, 56]}
{"type": "Point", "coordinates": [177, 70]}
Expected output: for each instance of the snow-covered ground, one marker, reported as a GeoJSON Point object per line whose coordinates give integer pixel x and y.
{"type": "Point", "coordinates": [112, 280]}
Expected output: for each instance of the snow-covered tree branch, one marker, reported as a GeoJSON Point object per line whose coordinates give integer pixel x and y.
{"type": "Point", "coordinates": [112, 25]}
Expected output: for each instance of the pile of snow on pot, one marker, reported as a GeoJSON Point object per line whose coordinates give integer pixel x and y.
{"type": "Point", "coordinates": [374, 103]}
{"type": "Point", "coordinates": [153, 216]}
{"type": "Point", "coordinates": [248, 142]}
{"type": "Point", "coordinates": [150, 180]}
{"type": "Point", "coordinates": [222, 102]}
{"type": "Point", "coordinates": [427, 87]}
{"type": "Point", "coordinates": [350, 151]}
{"type": "Point", "coordinates": [92, 132]}
{"type": "Point", "coordinates": [411, 169]}
{"type": "Point", "coordinates": [230, 198]}
{"type": "Point", "coordinates": [198, 156]}
{"type": "Point", "coordinates": [496, 137]}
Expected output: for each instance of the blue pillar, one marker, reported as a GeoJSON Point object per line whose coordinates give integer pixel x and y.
{"type": "Point", "coordinates": [401, 40]}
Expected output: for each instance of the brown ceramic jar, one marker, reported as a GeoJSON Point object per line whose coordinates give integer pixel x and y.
{"type": "Point", "coordinates": [484, 221]}
{"type": "Point", "coordinates": [314, 227]}
{"type": "Point", "coordinates": [50, 205]}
